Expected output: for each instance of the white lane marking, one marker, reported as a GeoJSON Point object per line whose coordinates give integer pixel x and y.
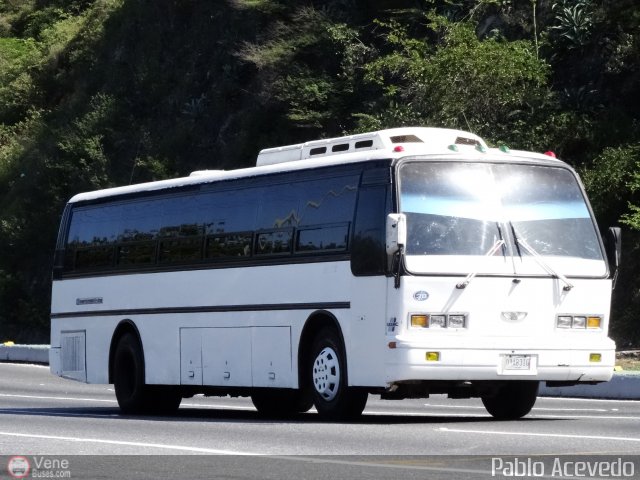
{"type": "Point", "coordinates": [181, 448]}
{"type": "Point", "coordinates": [569, 399]}
{"type": "Point", "coordinates": [470, 407]}
{"type": "Point", "coordinates": [425, 414]}
{"type": "Point", "coordinates": [394, 464]}
{"type": "Point", "coordinates": [549, 409]}
{"type": "Point", "coordinates": [593, 417]}
{"type": "Point", "coordinates": [367, 411]}
{"type": "Point", "coordinates": [532, 434]}
{"type": "Point", "coordinates": [478, 415]}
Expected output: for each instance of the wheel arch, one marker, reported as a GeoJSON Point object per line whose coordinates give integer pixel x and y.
{"type": "Point", "coordinates": [314, 324]}
{"type": "Point", "coordinates": [124, 327]}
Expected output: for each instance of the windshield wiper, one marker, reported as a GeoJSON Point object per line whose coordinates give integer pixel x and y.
{"type": "Point", "coordinates": [499, 243]}
{"type": "Point", "coordinates": [521, 242]}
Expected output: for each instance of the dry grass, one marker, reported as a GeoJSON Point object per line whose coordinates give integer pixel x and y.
{"type": "Point", "coordinates": [629, 360]}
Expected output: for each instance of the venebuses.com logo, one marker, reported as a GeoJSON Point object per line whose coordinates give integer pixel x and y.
{"type": "Point", "coordinates": [18, 467]}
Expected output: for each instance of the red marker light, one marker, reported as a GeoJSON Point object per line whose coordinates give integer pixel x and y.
{"type": "Point", "coordinates": [549, 153]}
{"type": "Point", "coordinates": [399, 148]}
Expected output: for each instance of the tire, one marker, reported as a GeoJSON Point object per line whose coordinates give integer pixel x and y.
{"type": "Point", "coordinates": [327, 378]}
{"type": "Point", "coordinates": [133, 395]}
{"type": "Point", "coordinates": [280, 403]}
{"type": "Point", "coordinates": [512, 400]}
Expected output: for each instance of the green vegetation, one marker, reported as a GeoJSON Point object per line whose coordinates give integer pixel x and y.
{"type": "Point", "coordinates": [98, 93]}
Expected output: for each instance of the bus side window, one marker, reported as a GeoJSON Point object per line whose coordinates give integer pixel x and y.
{"type": "Point", "coordinates": [368, 254]}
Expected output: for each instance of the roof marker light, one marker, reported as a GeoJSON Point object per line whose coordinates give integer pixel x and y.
{"type": "Point", "coordinates": [481, 148]}
{"type": "Point", "coordinates": [549, 153]}
{"type": "Point", "coordinates": [505, 149]}
{"type": "Point", "coordinates": [453, 148]}
{"type": "Point", "coordinates": [399, 148]}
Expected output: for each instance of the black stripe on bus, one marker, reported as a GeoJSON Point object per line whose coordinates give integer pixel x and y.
{"type": "Point", "coordinates": [206, 309]}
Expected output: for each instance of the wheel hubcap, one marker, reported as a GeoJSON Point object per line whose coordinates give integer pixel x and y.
{"type": "Point", "coordinates": [326, 374]}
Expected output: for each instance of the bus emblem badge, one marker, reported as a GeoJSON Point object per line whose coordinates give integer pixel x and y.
{"type": "Point", "coordinates": [421, 296]}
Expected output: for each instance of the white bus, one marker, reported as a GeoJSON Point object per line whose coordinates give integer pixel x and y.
{"type": "Point", "coordinates": [404, 263]}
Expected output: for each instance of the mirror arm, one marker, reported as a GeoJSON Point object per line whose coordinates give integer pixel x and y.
{"type": "Point", "coordinates": [397, 266]}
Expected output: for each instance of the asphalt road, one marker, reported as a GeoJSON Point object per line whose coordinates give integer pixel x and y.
{"type": "Point", "coordinates": [43, 417]}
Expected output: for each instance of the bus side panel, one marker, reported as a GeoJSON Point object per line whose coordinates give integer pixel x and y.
{"type": "Point", "coordinates": [93, 351]}
{"type": "Point", "coordinates": [271, 302]}
{"type": "Point", "coordinates": [365, 336]}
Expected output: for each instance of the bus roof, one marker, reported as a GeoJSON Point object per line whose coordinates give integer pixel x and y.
{"type": "Point", "coordinates": [384, 144]}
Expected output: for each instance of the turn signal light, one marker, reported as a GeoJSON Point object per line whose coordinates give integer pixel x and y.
{"type": "Point", "coordinates": [420, 321]}
{"type": "Point", "coordinates": [595, 357]}
{"type": "Point", "coordinates": [594, 322]}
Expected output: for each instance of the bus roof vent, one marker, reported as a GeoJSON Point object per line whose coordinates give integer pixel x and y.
{"type": "Point", "coordinates": [405, 139]}
{"type": "Point", "coordinates": [467, 141]}
{"type": "Point", "coordinates": [419, 140]}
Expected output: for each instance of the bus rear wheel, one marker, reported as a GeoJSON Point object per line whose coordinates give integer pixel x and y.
{"type": "Point", "coordinates": [280, 403]}
{"type": "Point", "coordinates": [511, 400]}
{"type": "Point", "coordinates": [133, 394]}
{"type": "Point", "coordinates": [327, 370]}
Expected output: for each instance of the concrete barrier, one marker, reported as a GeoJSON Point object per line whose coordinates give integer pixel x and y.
{"type": "Point", "coordinates": [623, 386]}
{"type": "Point", "coordinates": [25, 353]}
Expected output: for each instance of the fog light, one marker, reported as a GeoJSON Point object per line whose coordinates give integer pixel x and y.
{"type": "Point", "coordinates": [579, 322]}
{"type": "Point", "coordinates": [594, 322]}
{"type": "Point", "coordinates": [456, 321]}
{"type": "Point", "coordinates": [432, 356]}
{"type": "Point", "coordinates": [595, 357]}
{"type": "Point", "coordinates": [420, 321]}
{"type": "Point", "coordinates": [564, 321]}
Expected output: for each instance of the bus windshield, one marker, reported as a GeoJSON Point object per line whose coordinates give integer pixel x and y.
{"type": "Point", "coordinates": [457, 211]}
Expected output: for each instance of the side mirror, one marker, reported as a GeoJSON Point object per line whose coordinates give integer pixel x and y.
{"type": "Point", "coordinates": [396, 232]}
{"type": "Point", "coordinates": [613, 247]}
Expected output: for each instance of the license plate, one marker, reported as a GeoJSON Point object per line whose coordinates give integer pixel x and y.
{"type": "Point", "coordinates": [517, 362]}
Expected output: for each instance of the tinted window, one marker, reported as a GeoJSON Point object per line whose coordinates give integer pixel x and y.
{"type": "Point", "coordinates": [229, 246]}
{"type": "Point", "coordinates": [323, 238]}
{"type": "Point", "coordinates": [368, 255]}
{"type": "Point", "coordinates": [225, 224]}
{"type": "Point", "coordinates": [230, 210]}
{"type": "Point", "coordinates": [321, 202]}
{"type": "Point", "coordinates": [276, 242]}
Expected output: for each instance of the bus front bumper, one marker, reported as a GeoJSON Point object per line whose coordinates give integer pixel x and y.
{"type": "Point", "coordinates": [406, 362]}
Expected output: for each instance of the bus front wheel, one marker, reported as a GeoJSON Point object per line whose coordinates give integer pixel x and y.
{"type": "Point", "coordinates": [327, 369]}
{"type": "Point", "coordinates": [511, 400]}
{"type": "Point", "coordinates": [133, 395]}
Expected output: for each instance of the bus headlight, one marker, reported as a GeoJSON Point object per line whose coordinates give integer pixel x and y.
{"type": "Point", "coordinates": [579, 322]}
{"type": "Point", "coordinates": [456, 321]}
{"type": "Point", "coordinates": [438, 321]}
